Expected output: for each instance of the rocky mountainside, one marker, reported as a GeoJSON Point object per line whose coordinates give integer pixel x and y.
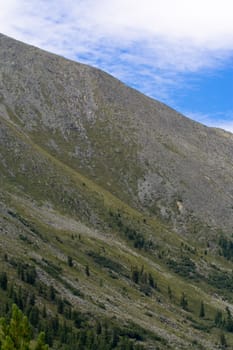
{"type": "Point", "coordinates": [117, 202]}
{"type": "Point", "coordinates": [88, 120]}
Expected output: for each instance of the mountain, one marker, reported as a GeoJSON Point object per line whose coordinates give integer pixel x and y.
{"type": "Point", "coordinates": [116, 211]}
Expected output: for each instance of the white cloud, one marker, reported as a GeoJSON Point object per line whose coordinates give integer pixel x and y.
{"type": "Point", "coordinates": [217, 120]}
{"type": "Point", "coordinates": [225, 125]}
{"type": "Point", "coordinates": [175, 34]}
{"type": "Point", "coordinates": [158, 39]}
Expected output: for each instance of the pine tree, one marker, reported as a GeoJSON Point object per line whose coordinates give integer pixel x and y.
{"type": "Point", "coordinates": [52, 293]}
{"type": "Point", "coordinates": [229, 320]}
{"type": "Point", "coordinates": [115, 339]}
{"type": "Point", "coordinates": [98, 328]}
{"type": "Point", "coordinates": [135, 275]}
{"type": "Point", "coordinates": [202, 310]}
{"type": "Point", "coordinates": [223, 341]}
{"type": "Point", "coordinates": [32, 299]}
{"type": "Point", "coordinates": [169, 292]}
{"type": "Point", "coordinates": [3, 280]}
{"type": "Point", "coordinates": [184, 302]}
{"type": "Point", "coordinates": [87, 270]}
{"type": "Point", "coordinates": [60, 306]}
{"type": "Point", "coordinates": [40, 344]}
{"type": "Point", "coordinates": [7, 343]}
{"type": "Point", "coordinates": [19, 328]}
{"type": "Point", "coordinates": [70, 261]}
{"type": "Point", "coordinates": [34, 316]}
{"type": "Point", "coordinates": [17, 335]}
{"type": "Point", "coordinates": [152, 282]}
{"type": "Point", "coordinates": [218, 319]}
{"type": "Point", "coordinates": [44, 312]}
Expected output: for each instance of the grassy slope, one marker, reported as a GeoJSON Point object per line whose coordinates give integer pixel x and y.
{"type": "Point", "coordinates": [54, 199]}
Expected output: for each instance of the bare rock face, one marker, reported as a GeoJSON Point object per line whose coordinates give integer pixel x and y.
{"type": "Point", "coordinates": [137, 148]}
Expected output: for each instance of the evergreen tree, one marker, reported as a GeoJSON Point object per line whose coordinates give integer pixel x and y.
{"type": "Point", "coordinates": [60, 306]}
{"type": "Point", "coordinates": [3, 280]}
{"type": "Point", "coordinates": [32, 299]}
{"type": "Point", "coordinates": [115, 339]}
{"type": "Point", "coordinates": [151, 281]}
{"type": "Point", "coordinates": [52, 293]}
{"type": "Point", "coordinates": [169, 292]}
{"type": "Point", "coordinates": [135, 275]}
{"type": "Point", "coordinates": [218, 319]}
{"type": "Point", "coordinates": [202, 310]}
{"type": "Point", "coordinates": [184, 302]}
{"type": "Point", "coordinates": [44, 312]}
{"type": "Point", "coordinates": [223, 341]}
{"type": "Point", "coordinates": [40, 344]}
{"type": "Point", "coordinates": [229, 320]}
{"type": "Point", "coordinates": [17, 335]}
{"type": "Point", "coordinates": [34, 316]}
{"type": "Point", "coordinates": [70, 261]}
{"type": "Point", "coordinates": [7, 344]}
{"type": "Point", "coordinates": [87, 270]}
{"type": "Point", "coordinates": [98, 328]}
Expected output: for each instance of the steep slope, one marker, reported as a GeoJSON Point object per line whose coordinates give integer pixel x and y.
{"type": "Point", "coordinates": [89, 119]}
{"type": "Point", "coordinates": [112, 205]}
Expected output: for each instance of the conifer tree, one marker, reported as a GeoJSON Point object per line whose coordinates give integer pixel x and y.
{"type": "Point", "coordinates": [3, 280]}
{"type": "Point", "coordinates": [135, 274]}
{"type": "Point", "coordinates": [17, 335]}
{"type": "Point", "coordinates": [184, 302]}
{"type": "Point", "coordinates": [70, 261]}
{"type": "Point", "coordinates": [169, 291]}
{"type": "Point", "coordinates": [223, 341]}
{"type": "Point", "coordinates": [40, 344]}
{"type": "Point", "coordinates": [151, 281]}
{"type": "Point", "coordinates": [218, 320]}
{"type": "Point", "coordinates": [87, 270]}
{"type": "Point", "coordinates": [229, 320]}
{"type": "Point", "coordinates": [202, 310]}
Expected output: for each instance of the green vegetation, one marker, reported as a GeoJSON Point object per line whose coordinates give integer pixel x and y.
{"type": "Point", "coordinates": [183, 266]}
{"type": "Point", "coordinates": [202, 310]}
{"type": "Point", "coordinates": [120, 222]}
{"type": "Point", "coordinates": [92, 185]}
{"type": "Point", "coordinates": [105, 262]}
{"type": "Point", "coordinates": [145, 280]}
{"type": "Point", "coordinates": [222, 280]}
{"type": "Point", "coordinates": [17, 333]}
{"type": "Point", "coordinates": [226, 246]}
{"type": "Point", "coordinates": [72, 328]}
{"type": "Point", "coordinates": [91, 258]}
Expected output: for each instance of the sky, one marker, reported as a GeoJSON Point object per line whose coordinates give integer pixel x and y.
{"type": "Point", "coordinates": [177, 51]}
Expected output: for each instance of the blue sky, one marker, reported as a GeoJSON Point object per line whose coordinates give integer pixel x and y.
{"type": "Point", "coordinates": [177, 51]}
